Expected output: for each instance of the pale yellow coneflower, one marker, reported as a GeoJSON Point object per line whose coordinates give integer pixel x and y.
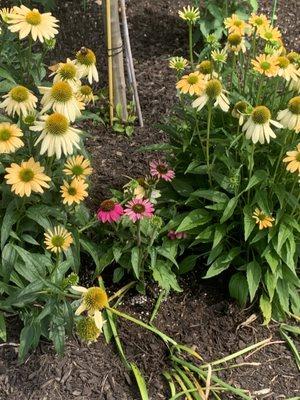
{"type": "Point", "coordinates": [234, 24]}
{"type": "Point", "coordinates": [287, 70]}
{"type": "Point", "coordinates": [189, 14]}
{"type": "Point", "coordinates": [19, 100]}
{"type": "Point", "coordinates": [67, 72]}
{"type": "Point", "coordinates": [236, 43]}
{"type": "Point", "coordinates": [239, 111]}
{"type": "Point", "coordinates": [85, 94]}
{"type": "Point", "coordinates": [290, 117]}
{"type": "Point", "coordinates": [58, 239]}
{"type": "Point", "coordinates": [193, 83]}
{"type": "Point", "coordinates": [266, 65]}
{"type": "Point", "coordinates": [293, 160]}
{"type": "Point", "coordinates": [26, 21]}
{"type": "Point", "coordinates": [207, 70]}
{"type": "Point", "coordinates": [86, 62]}
{"type": "Point", "coordinates": [219, 56]}
{"type": "Point", "coordinates": [270, 34]}
{"type": "Point", "coordinates": [78, 167]}
{"type": "Point", "coordinates": [5, 12]}
{"type": "Point", "coordinates": [10, 138]}
{"type": "Point", "coordinates": [178, 63]}
{"type": "Point", "coordinates": [259, 22]}
{"type": "Point", "coordinates": [57, 136]}
{"type": "Point", "coordinates": [215, 92]}
{"type": "Point", "coordinates": [74, 192]}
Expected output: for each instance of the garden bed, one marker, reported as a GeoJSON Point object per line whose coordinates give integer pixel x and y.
{"type": "Point", "coordinates": [201, 315]}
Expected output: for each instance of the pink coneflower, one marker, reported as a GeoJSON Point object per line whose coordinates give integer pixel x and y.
{"type": "Point", "coordinates": [161, 170]}
{"type": "Point", "coordinates": [173, 235]}
{"type": "Point", "coordinates": [137, 209]}
{"type": "Point", "coordinates": [109, 211]}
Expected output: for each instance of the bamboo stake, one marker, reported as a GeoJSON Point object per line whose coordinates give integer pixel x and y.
{"type": "Point", "coordinates": [110, 64]}
{"type": "Point", "coordinates": [130, 62]}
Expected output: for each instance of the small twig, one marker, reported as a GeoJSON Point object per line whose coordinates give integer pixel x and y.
{"type": "Point", "coordinates": [264, 345]}
{"type": "Point", "coordinates": [9, 344]}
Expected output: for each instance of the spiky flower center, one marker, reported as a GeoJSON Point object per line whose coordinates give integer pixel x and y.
{"type": "Point", "coordinates": [107, 205]}
{"type": "Point", "coordinates": [268, 35]}
{"type": "Point", "coordinates": [57, 124]}
{"type": "Point", "coordinates": [72, 191]}
{"type": "Point", "coordinates": [19, 94]}
{"type": "Point", "coordinates": [95, 298]}
{"type": "Point", "coordinates": [294, 105]}
{"type": "Point", "coordinates": [205, 67]}
{"type": "Point", "coordinates": [77, 170]}
{"type": "Point", "coordinates": [5, 134]}
{"type": "Point", "coordinates": [213, 88]}
{"type": "Point", "coordinates": [192, 79]}
{"type": "Point", "coordinates": [29, 119]}
{"type": "Point", "coordinates": [87, 329]}
{"type": "Point", "coordinates": [265, 65]}
{"type": "Point", "coordinates": [162, 168]}
{"type": "Point", "coordinates": [241, 106]}
{"type": "Point", "coordinates": [61, 92]}
{"type": "Point", "coordinates": [258, 21]}
{"type": "Point", "coordinates": [67, 71]}
{"type": "Point", "coordinates": [191, 15]}
{"type": "Point", "coordinates": [26, 175]}
{"type": "Point", "coordinates": [234, 39]}
{"type": "Point", "coordinates": [33, 17]}
{"type": "Point", "coordinates": [86, 56]}
{"type": "Point", "coordinates": [86, 90]}
{"type": "Point", "coordinates": [57, 241]}
{"type": "Point", "coordinates": [261, 115]}
{"type": "Point", "coordinates": [293, 56]}
{"type": "Point", "coordinates": [283, 62]}
{"type": "Point", "coordinates": [138, 208]}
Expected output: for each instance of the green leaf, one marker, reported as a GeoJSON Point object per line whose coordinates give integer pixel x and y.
{"type": "Point", "coordinates": [253, 278]}
{"type": "Point", "coordinates": [266, 308]}
{"type": "Point", "coordinates": [6, 75]}
{"type": "Point", "coordinates": [283, 234]}
{"type": "Point", "coordinates": [220, 231]}
{"type": "Point", "coordinates": [238, 288]}
{"type": "Point", "coordinates": [188, 264]}
{"type": "Point", "coordinates": [182, 187]}
{"type": "Point", "coordinates": [270, 281]}
{"type": "Point", "coordinates": [193, 219]}
{"type": "Point", "coordinates": [29, 339]}
{"type": "Point", "coordinates": [229, 210]}
{"type": "Point", "coordinates": [92, 249]}
{"type": "Point", "coordinates": [140, 382]}
{"type": "Point", "coordinates": [118, 274]}
{"type": "Point", "coordinates": [135, 261]}
{"type": "Point", "coordinates": [10, 218]}
{"type": "Point", "coordinates": [282, 289]}
{"type": "Point", "coordinates": [249, 222]}
{"type": "Point", "coordinates": [3, 335]}
{"type": "Point", "coordinates": [163, 274]}
{"type": "Point", "coordinates": [258, 176]}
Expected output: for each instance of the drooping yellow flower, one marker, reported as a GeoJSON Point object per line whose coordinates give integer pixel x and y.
{"type": "Point", "coordinates": [26, 21]}
{"type": "Point", "coordinates": [189, 14]}
{"type": "Point", "coordinates": [293, 160]}
{"type": "Point", "coordinates": [270, 34]}
{"type": "Point", "coordinates": [294, 57]}
{"type": "Point", "coordinates": [67, 72]}
{"type": "Point", "coordinates": [287, 70]}
{"type": "Point", "coordinates": [290, 117]}
{"type": "Point", "coordinates": [266, 65]}
{"type": "Point", "coordinates": [234, 24]}
{"type": "Point", "coordinates": [27, 177]}
{"type": "Point", "coordinates": [295, 85]}
{"type": "Point", "coordinates": [259, 21]}
{"type": "Point", "coordinates": [93, 300]}
{"type": "Point", "coordinates": [19, 100]}
{"type": "Point", "coordinates": [207, 70]}
{"type": "Point", "coordinates": [236, 43]}
{"type": "Point", "coordinates": [85, 94]}
{"type": "Point", "coordinates": [193, 83]}
{"type": "Point", "coordinates": [214, 92]}
{"type": "Point", "coordinates": [178, 63]}
{"type": "Point", "coordinates": [61, 98]}
{"type": "Point", "coordinates": [239, 111]}
{"type": "Point", "coordinates": [86, 62]}
{"type": "Point", "coordinates": [257, 127]}
{"type": "Point", "coordinates": [263, 220]}
{"type": "Point", "coordinates": [78, 167]}
{"type": "Point", "coordinates": [219, 56]}
{"type": "Point", "coordinates": [87, 330]}
{"type": "Point", "coordinates": [75, 192]}
{"type": "Point", "coordinates": [58, 239]}
{"type": "Point", "coordinates": [10, 138]}
{"type": "Point", "coordinates": [57, 136]}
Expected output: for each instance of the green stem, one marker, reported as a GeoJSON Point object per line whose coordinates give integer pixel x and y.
{"type": "Point", "coordinates": [209, 115]}
{"type": "Point", "coordinates": [191, 44]}
{"type": "Point", "coordinates": [259, 89]}
{"type": "Point", "coordinates": [138, 234]}
{"type": "Point", "coordinates": [251, 166]}
{"type": "Point", "coordinates": [274, 9]}
{"type": "Point", "coordinates": [89, 225]}
{"type": "Point", "coordinates": [160, 298]}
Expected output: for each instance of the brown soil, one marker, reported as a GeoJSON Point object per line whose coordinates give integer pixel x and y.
{"type": "Point", "coordinates": [201, 316]}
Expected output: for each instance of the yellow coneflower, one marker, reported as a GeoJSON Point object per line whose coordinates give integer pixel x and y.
{"type": "Point", "coordinates": [57, 136]}
{"type": "Point", "coordinates": [295, 85]}
{"type": "Point", "coordinates": [19, 100]}
{"type": "Point", "coordinates": [78, 167]}
{"type": "Point", "coordinates": [67, 72]}
{"type": "Point", "coordinates": [10, 138]}
{"type": "Point", "coordinates": [5, 12]}
{"type": "Point", "coordinates": [236, 43]}
{"type": "Point", "coordinates": [239, 111]}
{"type": "Point", "coordinates": [266, 65]}
{"type": "Point", "coordinates": [189, 14]}
{"type": "Point", "coordinates": [85, 94]}
{"type": "Point", "coordinates": [257, 127]}
{"type": "Point", "coordinates": [263, 220]}
{"type": "Point", "coordinates": [75, 192]}
{"type": "Point", "coordinates": [293, 160]}
{"type": "Point", "coordinates": [193, 83]}
{"type": "Point", "coordinates": [178, 63]}
{"type": "Point", "coordinates": [26, 21]}
{"type": "Point", "coordinates": [26, 178]}
{"type": "Point", "coordinates": [234, 24]}
{"type": "Point", "coordinates": [294, 57]}
{"type": "Point", "coordinates": [206, 69]}
{"type": "Point", "coordinates": [287, 70]}
{"type": "Point", "coordinates": [86, 62]}
{"type": "Point", "coordinates": [58, 239]}
{"type": "Point", "coordinates": [259, 21]}
{"type": "Point", "coordinates": [87, 330]}
{"type": "Point", "coordinates": [61, 98]}
{"type": "Point", "coordinates": [215, 92]}
{"type": "Point", "coordinates": [270, 34]}
{"type": "Point", "coordinates": [219, 56]}
{"type": "Point", "coordinates": [93, 300]}
{"type": "Point", "coordinates": [290, 117]}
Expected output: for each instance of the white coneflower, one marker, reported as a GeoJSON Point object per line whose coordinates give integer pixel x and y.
{"type": "Point", "coordinates": [19, 100]}
{"type": "Point", "coordinates": [86, 62]}
{"type": "Point", "coordinates": [57, 136]}
{"type": "Point", "coordinates": [213, 92]}
{"type": "Point", "coordinates": [68, 72]}
{"type": "Point", "coordinates": [61, 98]}
{"type": "Point", "coordinates": [236, 43]}
{"type": "Point", "coordinates": [290, 117]}
{"type": "Point", "coordinates": [287, 70]}
{"type": "Point", "coordinates": [58, 239]}
{"type": "Point", "coordinates": [257, 127]}
{"type": "Point", "coordinates": [85, 94]}
{"type": "Point", "coordinates": [239, 111]}
{"type": "Point", "coordinates": [26, 21]}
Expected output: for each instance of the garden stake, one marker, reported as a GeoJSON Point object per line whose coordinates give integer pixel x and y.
{"type": "Point", "coordinates": [110, 66]}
